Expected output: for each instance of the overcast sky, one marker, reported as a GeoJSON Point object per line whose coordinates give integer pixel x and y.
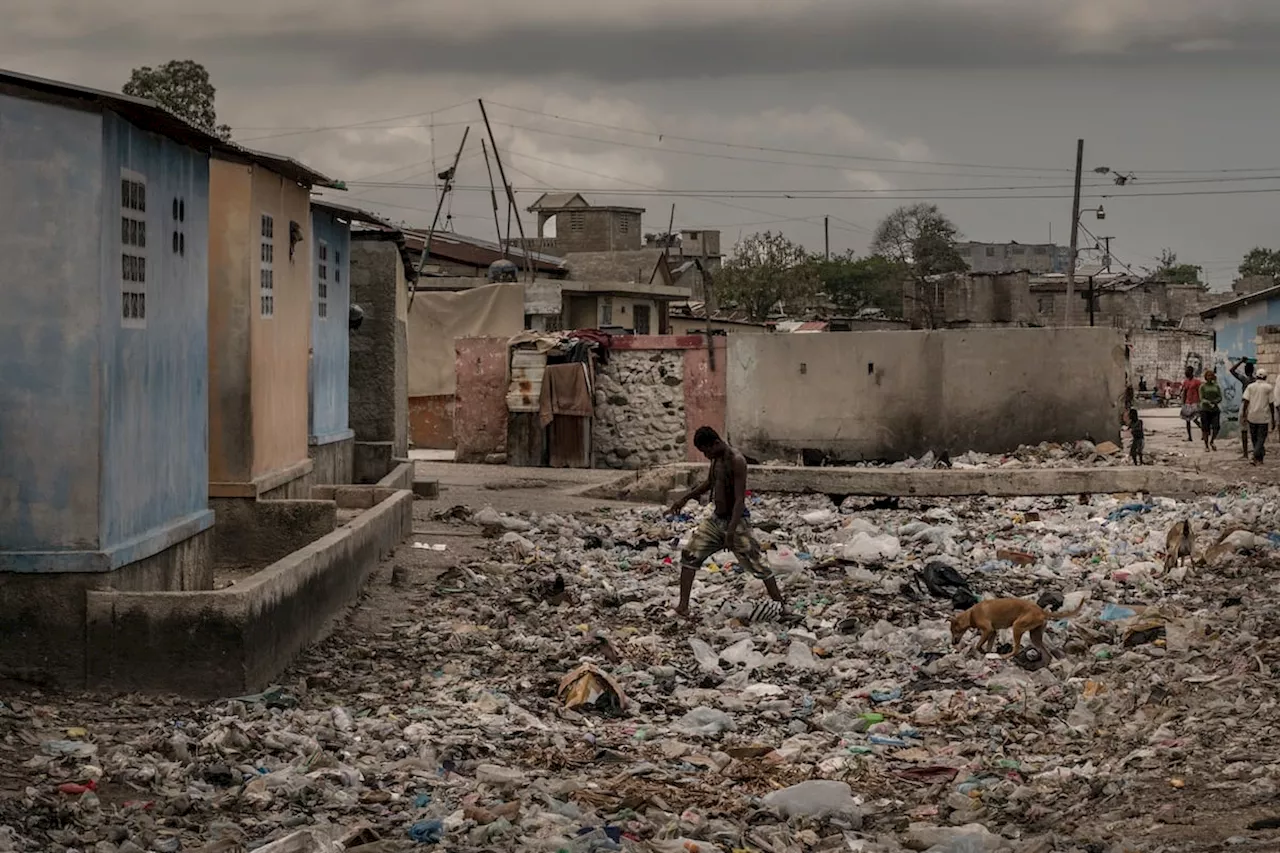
{"type": "Point", "coordinates": [852, 105]}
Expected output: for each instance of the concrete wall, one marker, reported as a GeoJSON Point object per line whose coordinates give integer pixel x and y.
{"type": "Point", "coordinates": [332, 462]}
{"type": "Point", "coordinates": [887, 395]}
{"type": "Point", "coordinates": [258, 352]}
{"type": "Point", "coordinates": [281, 343]}
{"type": "Point", "coordinates": [42, 616]}
{"type": "Point", "coordinates": [379, 368]}
{"type": "Point", "coordinates": [233, 247]}
{"type": "Point", "coordinates": [594, 229]}
{"type": "Point", "coordinates": [51, 406]}
{"type": "Point", "coordinates": [480, 403]}
{"type": "Point", "coordinates": [253, 533]}
{"type": "Point", "coordinates": [103, 418]}
{"type": "Point", "coordinates": [330, 352]}
{"type": "Point", "coordinates": [229, 642]}
{"type": "Point", "coordinates": [155, 467]}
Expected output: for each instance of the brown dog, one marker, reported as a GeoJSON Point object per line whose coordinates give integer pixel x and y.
{"type": "Point", "coordinates": [990, 617]}
{"type": "Point", "coordinates": [1178, 544]}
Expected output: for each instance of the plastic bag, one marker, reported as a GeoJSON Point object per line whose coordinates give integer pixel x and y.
{"type": "Point", "coordinates": [704, 722]}
{"type": "Point", "coordinates": [816, 798]}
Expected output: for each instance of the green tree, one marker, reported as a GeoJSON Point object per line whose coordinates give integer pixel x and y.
{"type": "Point", "coordinates": [767, 271]}
{"type": "Point", "coordinates": [854, 284]}
{"type": "Point", "coordinates": [1170, 270]}
{"type": "Point", "coordinates": [182, 87]}
{"type": "Point", "coordinates": [921, 244]}
{"type": "Point", "coordinates": [1259, 261]}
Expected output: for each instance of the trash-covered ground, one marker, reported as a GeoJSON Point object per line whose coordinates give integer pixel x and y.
{"type": "Point", "coordinates": [527, 688]}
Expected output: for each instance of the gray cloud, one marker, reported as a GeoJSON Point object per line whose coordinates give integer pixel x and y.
{"type": "Point", "coordinates": [659, 41]}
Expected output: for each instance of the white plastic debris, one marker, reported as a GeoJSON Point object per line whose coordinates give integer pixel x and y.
{"type": "Point", "coordinates": [816, 798]}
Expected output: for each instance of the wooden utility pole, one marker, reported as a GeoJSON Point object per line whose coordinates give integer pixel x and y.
{"type": "Point", "coordinates": [1107, 257]}
{"type": "Point", "coordinates": [444, 193]}
{"type": "Point", "coordinates": [1075, 233]}
{"type": "Point", "coordinates": [493, 196]}
{"type": "Point", "coordinates": [666, 245]}
{"type": "Point", "coordinates": [826, 237]}
{"type": "Point", "coordinates": [511, 197]}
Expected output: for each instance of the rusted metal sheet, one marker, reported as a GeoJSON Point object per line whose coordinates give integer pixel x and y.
{"type": "Point", "coordinates": [525, 391]}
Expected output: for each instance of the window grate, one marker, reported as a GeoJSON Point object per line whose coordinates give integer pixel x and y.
{"type": "Point", "coordinates": [266, 269]}
{"type": "Point", "coordinates": [133, 250]}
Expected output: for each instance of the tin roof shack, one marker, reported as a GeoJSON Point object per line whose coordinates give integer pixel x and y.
{"type": "Point", "coordinates": [260, 309]}
{"type": "Point", "coordinates": [104, 406]}
{"type": "Point", "coordinates": [1120, 301]}
{"type": "Point", "coordinates": [972, 300]}
{"type": "Point", "coordinates": [330, 440]}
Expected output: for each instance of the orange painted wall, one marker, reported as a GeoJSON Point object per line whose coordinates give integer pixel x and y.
{"type": "Point", "coordinates": [230, 411]}
{"type": "Point", "coordinates": [257, 364]}
{"type": "Point", "coordinates": [280, 345]}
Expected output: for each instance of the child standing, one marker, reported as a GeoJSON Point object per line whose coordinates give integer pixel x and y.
{"type": "Point", "coordinates": [1137, 437]}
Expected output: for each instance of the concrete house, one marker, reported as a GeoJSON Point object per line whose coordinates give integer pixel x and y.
{"type": "Point", "coordinates": [103, 328]}
{"type": "Point", "coordinates": [329, 436]}
{"type": "Point", "coordinates": [261, 303]}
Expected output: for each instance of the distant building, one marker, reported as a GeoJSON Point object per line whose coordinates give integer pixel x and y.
{"type": "Point", "coordinates": [1014, 257]}
{"type": "Point", "coordinates": [583, 227]}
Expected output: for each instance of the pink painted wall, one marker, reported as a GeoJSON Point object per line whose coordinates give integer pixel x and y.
{"type": "Point", "coordinates": [480, 402]}
{"type": "Point", "coordinates": [705, 392]}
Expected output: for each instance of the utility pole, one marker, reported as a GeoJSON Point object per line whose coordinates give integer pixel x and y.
{"type": "Point", "coordinates": [448, 177]}
{"type": "Point", "coordinates": [1106, 259]}
{"type": "Point", "coordinates": [511, 197]}
{"type": "Point", "coordinates": [826, 237]}
{"type": "Point", "coordinates": [1091, 300]}
{"type": "Point", "coordinates": [1075, 233]}
{"type": "Point", "coordinates": [493, 196]}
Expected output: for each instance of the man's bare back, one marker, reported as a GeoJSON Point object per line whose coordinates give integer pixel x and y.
{"type": "Point", "coordinates": [722, 478]}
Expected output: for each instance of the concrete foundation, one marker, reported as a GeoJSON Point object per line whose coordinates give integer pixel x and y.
{"type": "Point", "coordinates": [229, 642]}
{"type": "Point", "coordinates": [259, 532]}
{"type": "Point", "coordinates": [372, 461]}
{"type": "Point", "coordinates": [333, 460]}
{"type": "Point", "coordinates": [42, 616]}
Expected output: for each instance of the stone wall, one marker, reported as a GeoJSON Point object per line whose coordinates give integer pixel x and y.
{"type": "Point", "coordinates": [640, 411]}
{"type": "Point", "coordinates": [1268, 347]}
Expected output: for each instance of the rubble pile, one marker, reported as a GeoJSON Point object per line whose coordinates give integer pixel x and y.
{"type": "Point", "coordinates": [544, 698]}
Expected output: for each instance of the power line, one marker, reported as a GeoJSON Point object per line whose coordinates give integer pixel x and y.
{"type": "Point", "coordinates": [768, 149]}
{"type": "Point", "coordinates": [362, 124]}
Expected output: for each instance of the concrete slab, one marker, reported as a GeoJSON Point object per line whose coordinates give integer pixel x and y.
{"type": "Point", "coordinates": [997, 482]}
{"type": "Point", "coordinates": [654, 486]}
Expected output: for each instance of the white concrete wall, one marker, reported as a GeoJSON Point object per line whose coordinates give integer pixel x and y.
{"type": "Point", "coordinates": [887, 395]}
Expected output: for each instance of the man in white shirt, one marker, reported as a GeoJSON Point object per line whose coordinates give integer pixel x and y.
{"type": "Point", "coordinates": [1259, 413]}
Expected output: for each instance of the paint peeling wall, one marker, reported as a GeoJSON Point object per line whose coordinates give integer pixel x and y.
{"type": "Point", "coordinates": [50, 396]}
{"type": "Point", "coordinates": [330, 352]}
{"type": "Point", "coordinates": [480, 403]}
{"type": "Point", "coordinates": [155, 379]}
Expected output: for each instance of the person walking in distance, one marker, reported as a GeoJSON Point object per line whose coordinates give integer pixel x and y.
{"type": "Point", "coordinates": [1190, 399]}
{"type": "Point", "coordinates": [1243, 371]}
{"type": "Point", "coordinates": [1210, 410]}
{"type": "Point", "coordinates": [1137, 438]}
{"type": "Point", "coordinates": [1259, 413]}
{"type": "Point", "coordinates": [727, 483]}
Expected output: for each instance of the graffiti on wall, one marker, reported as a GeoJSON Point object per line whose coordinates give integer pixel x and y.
{"type": "Point", "coordinates": [1196, 362]}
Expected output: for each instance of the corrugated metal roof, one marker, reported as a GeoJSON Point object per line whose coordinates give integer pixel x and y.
{"type": "Point", "coordinates": [1249, 298]}
{"type": "Point", "coordinates": [556, 201]}
{"type": "Point", "coordinates": [354, 214]}
{"type": "Point", "coordinates": [149, 115]}
{"type": "Point", "coordinates": [481, 253]}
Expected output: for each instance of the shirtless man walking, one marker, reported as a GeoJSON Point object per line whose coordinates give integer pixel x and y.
{"type": "Point", "coordinates": [727, 481]}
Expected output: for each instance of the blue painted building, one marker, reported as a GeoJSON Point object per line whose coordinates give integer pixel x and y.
{"type": "Point", "coordinates": [103, 329]}
{"type": "Point", "coordinates": [1236, 326]}
{"type": "Point", "coordinates": [330, 306]}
